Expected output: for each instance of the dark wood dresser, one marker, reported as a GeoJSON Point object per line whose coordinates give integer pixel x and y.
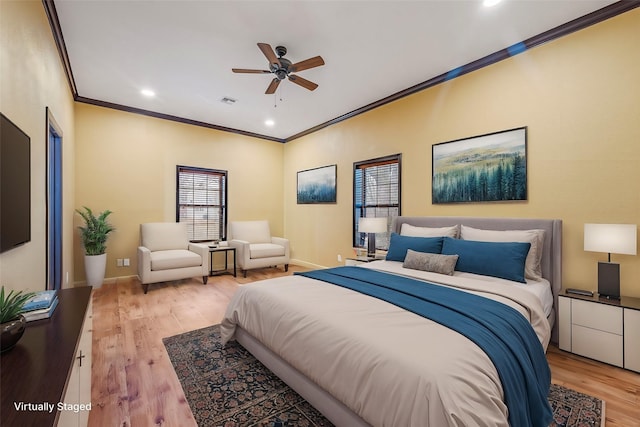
{"type": "Point", "coordinates": [36, 371]}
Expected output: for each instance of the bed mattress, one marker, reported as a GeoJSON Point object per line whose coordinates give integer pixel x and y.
{"type": "Point", "coordinates": [389, 366]}
{"type": "Point", "coordinates": [541, 288]}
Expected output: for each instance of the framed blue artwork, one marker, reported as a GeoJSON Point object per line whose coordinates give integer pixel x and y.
{"type": "Point", "coordinates": [317, 185]}
{"type": "Point", "coordinates": [485, 168]}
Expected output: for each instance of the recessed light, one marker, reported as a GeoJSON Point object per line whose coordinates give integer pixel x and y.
{"type": "Point", "coordinates": [489, 3]}
{"type": "Point", "coordinates": [148, 92]}
{"type": "Point", "coordinates": [269, 122]}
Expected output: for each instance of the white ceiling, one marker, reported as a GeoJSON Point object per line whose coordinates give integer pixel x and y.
{"type": "Point", "coordinates": [184, 51]}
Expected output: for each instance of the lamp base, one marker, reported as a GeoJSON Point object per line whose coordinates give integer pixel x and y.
{"type": "Point", "coordinates": [371, 245]}
{"type": "Point", "coordinates": [609, 280]}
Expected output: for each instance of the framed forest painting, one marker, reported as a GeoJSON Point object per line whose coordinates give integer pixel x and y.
{"type": "Point", "coordinates": [317, 185]}
{"type": "Point", "coordinates": [485, 168]}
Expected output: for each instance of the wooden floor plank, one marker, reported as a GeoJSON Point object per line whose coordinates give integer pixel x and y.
{"type": "Point", "coordinates": [134, 384]}
{"type": "Point", "coordinates": [619, 388]}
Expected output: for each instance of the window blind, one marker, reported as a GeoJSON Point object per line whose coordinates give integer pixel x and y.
{"type": "Point", "coordinates": [202, 202]}
{"type": "Point", "coordinates": [376, 193]}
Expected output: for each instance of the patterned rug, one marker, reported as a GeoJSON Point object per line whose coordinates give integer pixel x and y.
{"type": "Point", "coordinates": [229, 387]}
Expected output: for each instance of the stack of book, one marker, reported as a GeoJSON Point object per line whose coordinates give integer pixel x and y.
{"type": "Point", "coordinates": [40, 306]}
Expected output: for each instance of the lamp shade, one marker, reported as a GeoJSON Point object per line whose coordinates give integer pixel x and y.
{"type": "Point", "coordinates": [372, 225]}
{"type": "Point", "coordinates": [611, 238]}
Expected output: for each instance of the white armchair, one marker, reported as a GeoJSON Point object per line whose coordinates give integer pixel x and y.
{"type": "Point", "coordinates": [255, 247]}
{"type": "Point", "coordinates": [165, 254]}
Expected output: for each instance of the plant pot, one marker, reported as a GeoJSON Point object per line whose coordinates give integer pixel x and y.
{"type": "Point", "coordinates": [94, 267]}
{"type": "Point", "coordinates": [11, 333]}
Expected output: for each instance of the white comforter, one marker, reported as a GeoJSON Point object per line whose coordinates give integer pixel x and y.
{"type": "Point", "coordinates": [390, 366]}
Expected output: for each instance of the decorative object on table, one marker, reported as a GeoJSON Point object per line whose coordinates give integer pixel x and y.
{"type": "Point", "coordinates": [43, 313]}
{"type": "Point", "coordinates": [317, 185]}
{"type": "Point", "coordinates": [40, 300]}
{"type": "Point", "coordinates": [485, 168]}
{"type": "Point", "coordinates": [371, 226]}
{"type": "Point", "coordinates": [40, 306]}
{"type": "Point", "coordinates": [12, 323]}
{"type": "Point", "coordinates": [610, 238]}
{"type": "Point", "coordinates": [94, 236]}
{"type": "Point", "coordinates": [204, 368]}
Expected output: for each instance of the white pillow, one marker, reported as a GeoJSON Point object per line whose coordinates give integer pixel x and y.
{"type": "Point", "coordinates": [532, 267]}
{"type": "Point", "coordinates": [413, 231]}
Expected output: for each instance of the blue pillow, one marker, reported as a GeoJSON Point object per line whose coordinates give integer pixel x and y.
{"type": "Point", "coordinates": [398, 246]}
{"type": "Point", "coordinates": [497, 259]}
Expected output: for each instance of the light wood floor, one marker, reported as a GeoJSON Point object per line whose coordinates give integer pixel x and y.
{"type": "Point", "coordinates": [134, 384]}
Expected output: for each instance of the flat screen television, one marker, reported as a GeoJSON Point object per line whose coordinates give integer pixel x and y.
{"type": "Point", "coordinates": [15, 185]}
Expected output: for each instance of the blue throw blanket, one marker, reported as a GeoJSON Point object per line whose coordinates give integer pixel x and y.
{"type": "Point", "coordinates": [500, 331]}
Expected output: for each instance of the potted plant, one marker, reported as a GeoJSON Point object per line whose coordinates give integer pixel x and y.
{"type": "Point", "coordinates": [12, 323]}
{"type": "Point", "coordinates": [94, 236]}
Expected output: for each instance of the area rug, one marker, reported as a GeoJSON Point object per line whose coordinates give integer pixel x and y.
{"type": "Point", "coordinates": [227, 386]}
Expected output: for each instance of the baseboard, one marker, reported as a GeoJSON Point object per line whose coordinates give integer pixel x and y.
{"type": "Point", "coordinates": [305, 264]}
{"type": "Point", "coordinates": [107, 280]}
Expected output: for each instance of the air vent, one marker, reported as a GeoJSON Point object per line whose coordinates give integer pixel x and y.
{"type": "Point", "coordinates": [228, 101]}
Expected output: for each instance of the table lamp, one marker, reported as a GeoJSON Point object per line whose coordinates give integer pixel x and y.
{"type": "Point", "coordinates": [610, 238]}
{"type": "Point", "coordinates": [372, 226]}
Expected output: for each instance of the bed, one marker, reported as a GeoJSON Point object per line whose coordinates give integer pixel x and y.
{"type": "Point", "coordinates": [363, 361]}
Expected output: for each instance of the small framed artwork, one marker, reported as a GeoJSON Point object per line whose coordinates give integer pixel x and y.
{"type": "Point", "coordinates": [317, 185]}
{"type": "Point", "coordinates": [485, 168]}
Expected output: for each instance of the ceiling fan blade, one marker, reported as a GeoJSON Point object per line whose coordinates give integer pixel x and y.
{"type": "Point", "coordinates": [316, 61]}
{"type": "Point", "coordinates": [272, 86]}
{"type": "Point", "coordinates": [244, 70]}
{"type": "Point", "coordinates": [303, 82]}
{"type": "Point", "coordinates": [269, 53]}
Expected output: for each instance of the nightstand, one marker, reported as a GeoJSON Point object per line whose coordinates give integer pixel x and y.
{"type": "Point", "coordinates": [601, 329]}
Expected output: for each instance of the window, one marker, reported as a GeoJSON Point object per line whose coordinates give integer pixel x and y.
{"type": "Point", "coordinates": [202, 202]}
{"type": "Point", "coordinates": [376, 193]}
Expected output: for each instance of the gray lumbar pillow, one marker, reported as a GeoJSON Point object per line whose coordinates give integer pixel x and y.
{"type": "Point", "coordinates": [436, 263]}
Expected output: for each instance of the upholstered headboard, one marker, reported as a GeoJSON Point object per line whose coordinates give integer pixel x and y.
{"type": "Point", "coordinates": [552, 249]}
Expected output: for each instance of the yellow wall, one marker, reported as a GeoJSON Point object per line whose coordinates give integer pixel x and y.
{"type": "Point", "coordinates": [127, 163]}
{"type": "Point", "coordinates": [578, 96]}
{"type": "Point", "coordinates": [31, 79]}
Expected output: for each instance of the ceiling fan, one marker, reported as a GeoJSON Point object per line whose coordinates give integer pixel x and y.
{"type": "Point", "coordinates": [283, 68]}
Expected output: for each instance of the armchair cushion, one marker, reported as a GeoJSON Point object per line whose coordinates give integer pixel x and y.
{"type": "Point", "coordinates": [265, 250]}
{"type": "Point", "coordinates": [251, 231]}
{"type": "Point", "coordinates": [174, 258]}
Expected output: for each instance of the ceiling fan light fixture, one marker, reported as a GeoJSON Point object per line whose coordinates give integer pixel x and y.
{"type": "Point", "coordinates": [282, 68]}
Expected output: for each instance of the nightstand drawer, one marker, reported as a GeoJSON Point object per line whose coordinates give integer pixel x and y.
{"type": "Point", "coordinates": [632, 339]}
{"type": "Point", "coordinates": [597, 345]}
{"type": "Point", "coordinates": [597, 316]}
